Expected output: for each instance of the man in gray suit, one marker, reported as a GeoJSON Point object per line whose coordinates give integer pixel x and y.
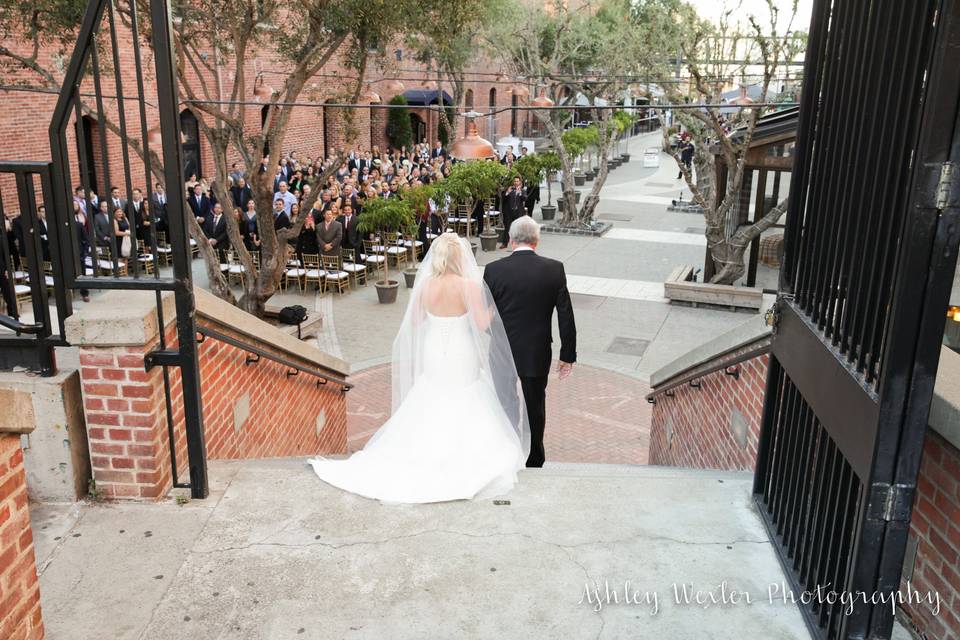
{"type": "Point", "coordinates": [103, 224]}
{"type": "Point", "coordinates": [329, 234]}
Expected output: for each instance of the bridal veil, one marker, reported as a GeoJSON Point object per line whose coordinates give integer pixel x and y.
{"type": "Point", "coordinates": [452, 255]}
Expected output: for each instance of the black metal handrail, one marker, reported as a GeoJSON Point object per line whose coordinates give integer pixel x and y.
{"type": "Point", "coordinates": [263, 353]}
{"type": "Point", "coordinates": [690, 374]}
{"type": "Point", "coordinates": [20, 327]}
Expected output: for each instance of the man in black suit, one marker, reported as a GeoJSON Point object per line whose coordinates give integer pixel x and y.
{"type": "Point", "coordinates": [280, 218]}
{"type": "Point", "coordinates": [160, 207]}
{"type": "Point", "coordinates": [438, 151]}
{"type": "Point", "coordinates": [216, 230]}
{"type": "Point", "coordinates": [351, 233]}
{"type": "Point", "coordinates": [513, 207]}
{"type": "Point", "coordinates": [241, 193]}
{"type": "Point", "coordinates": [526, 289]}
{"type": "Point", "coordinates": [200, 205]}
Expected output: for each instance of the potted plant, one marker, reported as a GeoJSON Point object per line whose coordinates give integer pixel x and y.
{"type": "Point", "coordinates": [550, 164]}
{"type": "Point", "coordinates": [384, 217]}
{"type": "Point", "coordinates": [468, 184]}
{"type": "Point", "coordinates": [624, 124]}
{"type": "Point", "coordinates": [419, 198]}
{"type": "Point", "coordinates": [575, 141]}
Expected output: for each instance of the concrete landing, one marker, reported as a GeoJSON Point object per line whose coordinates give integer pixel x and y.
{"type": "Point", "coordinates": [275, 553]}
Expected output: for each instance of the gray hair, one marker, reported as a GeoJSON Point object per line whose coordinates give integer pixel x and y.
{"type": "Point", "coordinates": [525, 230]}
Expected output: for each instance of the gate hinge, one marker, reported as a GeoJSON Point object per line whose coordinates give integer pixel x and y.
{"type": "Point", "coordinates": [947, 186]}
{"type": "Point", "coordinates": [892, 503]}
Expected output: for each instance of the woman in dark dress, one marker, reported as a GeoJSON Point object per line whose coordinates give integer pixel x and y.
{"type": "Point", "coordinates": [307, 240]}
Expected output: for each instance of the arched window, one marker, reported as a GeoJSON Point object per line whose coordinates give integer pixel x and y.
{"type": "Point", "coordinates": [492, 119]}
{"type": "Point", "coordinates": [87, 129]}
{"type": "Point", "coordinates": [263, 120]}
{"type": "Point", "coordinates": [190, 135]}
{"type": "Point", "coordinates": [468, 106]}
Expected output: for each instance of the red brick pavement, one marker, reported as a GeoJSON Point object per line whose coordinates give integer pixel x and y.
{"type": "Point", "coordinates": [593, 416]}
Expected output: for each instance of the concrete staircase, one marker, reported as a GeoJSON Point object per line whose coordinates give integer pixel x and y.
{"type": "Point", "coordinates": [276, 553]}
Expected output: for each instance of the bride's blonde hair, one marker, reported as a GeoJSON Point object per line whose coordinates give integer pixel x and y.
{"type": "Point", "coordinates": [445, 254]}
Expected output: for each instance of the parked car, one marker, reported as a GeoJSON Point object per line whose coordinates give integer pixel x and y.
{"type": "Point", "coordinates": [651, 157]}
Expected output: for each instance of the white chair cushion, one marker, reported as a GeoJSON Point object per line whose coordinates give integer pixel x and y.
{"type": "Point", "coordinates": [296, 273]}
{"type": "Point", "coordinates": [314, 273]}
{"type": "Point", "coordinates": [375, 259]}
{"type": "Point", "coordinates": [237, 268]}
{"type": "Point", "coordinates": [337, 275]}
{"type": "Point", "coordinates": [21, 289]}
{"type": "Point", "coordinates": [353, 268]}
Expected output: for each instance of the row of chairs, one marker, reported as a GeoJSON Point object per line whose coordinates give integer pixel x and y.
{"type": "Point", "coordinates": [462, 221]}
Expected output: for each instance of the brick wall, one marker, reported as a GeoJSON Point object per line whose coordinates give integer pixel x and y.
{"type": "Point", "coordinates": [126, 421]}
{"type": "Point", "coordinates": [250, 410]}
{"type": "Point", "coordinates": [27, 114]}
{"type": "Point", "coordinates": [19, 589]}
{"type": "Point", "coordinates": [257, 411]}
{"type": "Point", "coordinates": [714, 427]}
{"type": "Point", "coordinates": [935, 526]}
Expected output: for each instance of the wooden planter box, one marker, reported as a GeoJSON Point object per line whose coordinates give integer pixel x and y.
{"type": "Point", "coordinates": [680, 287]}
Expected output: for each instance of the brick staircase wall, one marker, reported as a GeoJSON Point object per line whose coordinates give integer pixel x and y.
{"type": "Point", "coordinates": [251, 410]}
{"type": "Point", "coordinates": [20, 617]}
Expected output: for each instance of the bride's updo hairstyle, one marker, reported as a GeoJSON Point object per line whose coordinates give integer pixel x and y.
{"type": "Point", "coordinates": [445, 255]}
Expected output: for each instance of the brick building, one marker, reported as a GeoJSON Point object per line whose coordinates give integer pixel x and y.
{"type": "Point", "coordinates": [28, 106]}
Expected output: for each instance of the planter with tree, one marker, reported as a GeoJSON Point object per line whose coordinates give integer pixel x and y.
{"type": "Point", "coordinates": [550, 163]}
{"type": "Point", "coordinates": [385, 217]}
{"type": "Point", "coordinates": [468, 184]}
{"type": "Point", "coordinates": [419, 199]}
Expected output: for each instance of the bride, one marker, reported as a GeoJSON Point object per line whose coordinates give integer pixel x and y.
{"type": "Point", "coordinates": [459, 428]}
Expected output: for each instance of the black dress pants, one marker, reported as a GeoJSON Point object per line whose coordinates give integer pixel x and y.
{"type": "Point", "coordinates": [535, 396]}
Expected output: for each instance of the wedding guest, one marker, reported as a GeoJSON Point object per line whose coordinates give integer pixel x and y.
{"type": "Point", "coordinates": [329, 234]}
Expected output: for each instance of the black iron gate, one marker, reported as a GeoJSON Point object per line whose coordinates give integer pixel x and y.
{"type": "Point", "coordinates": [79, 250]}
{"type": "Point", "coordinates": [871, 247]}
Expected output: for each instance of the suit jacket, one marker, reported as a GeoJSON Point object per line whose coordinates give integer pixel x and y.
{"type": "Point", "coordinates": [527, 288]}
{"type": "Point", "coordinates": [217, 231]}
{"type": "Point", "coordinates": [102, 228]}
{"type": "Point", "coordinates": [113, 205]}
{"type": "Point", "coordinates": [241, 196]}
{"type": "Point", "coordinates": [351, 232]}
{"type": "Point", "coordinates": [513, 203]}
{"type": "Point", "coordinates": [201, 207]}
{"type": "Point", "coordinates": [437, 153]}
{"type": "Point", "coordinates": [281, 221]}
{"type": "Point", "coordinates": [333, 235]}
{"type": "Point", "coordinates": [160, 212]}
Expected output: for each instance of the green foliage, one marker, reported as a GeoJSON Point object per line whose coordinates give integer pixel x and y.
{"type": "Point", "coordinates": [399, 131]}
{"type": "Point", "coordinates": [623, 120]}
{"type": "Point", "coordinates": [382, 215]}
{"type": "Point", "coordinates": [550, 161]}
{"type": "Point", "coordinates": [529, 168]}
{"type": "Point", "coordinates": [575, 141]}
{"type": "Point", "coordinates": [472, 181]}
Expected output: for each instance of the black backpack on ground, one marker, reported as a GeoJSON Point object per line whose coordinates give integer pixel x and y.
{"type": "Point", "coordinates": [294, 314]}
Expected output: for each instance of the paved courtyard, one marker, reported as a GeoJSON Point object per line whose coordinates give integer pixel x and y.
{"type": "Point", "coordinates": [626, 328]}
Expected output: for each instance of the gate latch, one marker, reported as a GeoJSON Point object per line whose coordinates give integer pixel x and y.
{"type": "Point", "coordinates": [946, 185]}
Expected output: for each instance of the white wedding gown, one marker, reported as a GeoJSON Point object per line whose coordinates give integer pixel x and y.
{"type": "Point", "coordinates": [449, 439]}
